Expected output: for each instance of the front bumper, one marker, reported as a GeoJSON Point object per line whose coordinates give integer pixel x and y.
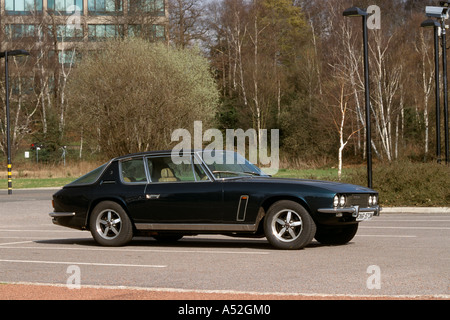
{"type": "Point", "coordinates": [353, 210]}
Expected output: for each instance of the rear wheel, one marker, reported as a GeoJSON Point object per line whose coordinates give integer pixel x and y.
{"type": "Point", "coordinates": [110, 225]}
{"type": "Point", "coordinates": [288, 225]}
{"type": "Point", "coordinates": [336, 235]}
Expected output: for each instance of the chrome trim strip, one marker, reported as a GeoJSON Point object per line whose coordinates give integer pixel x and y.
{"type": "Point", "coordinates": [196, 227]}
{"type": "Point", "coordinates": [61, 214]}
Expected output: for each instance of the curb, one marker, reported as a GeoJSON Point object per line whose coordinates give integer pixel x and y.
{"type": "Point", "coordinates": [436, 210]}
{"type": "Point", "coordinates": [104, 292]}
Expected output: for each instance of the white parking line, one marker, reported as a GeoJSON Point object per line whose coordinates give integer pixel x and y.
{"type": "Point", "coordinates": [138, 250]}
{"type": "Point", "coordinates": [86, 263]}
{"type": "Point", "coordinates": [410, 220]}
{"type": "Point", "coordinates": [7, 243]}
{"type": "Point", "coordinates": [384, 236]}
{"type": "Point", "coordinates": [25, 237]}
{"type": "Point", "coordinates": [411, 228]}
{"type": "Point", "coordinates": [40, 230]}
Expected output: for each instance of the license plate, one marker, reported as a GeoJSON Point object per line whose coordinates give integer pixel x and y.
{"type": "Point", "coordinates": [364, 216]}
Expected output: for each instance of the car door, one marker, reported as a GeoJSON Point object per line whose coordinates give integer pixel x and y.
{"type": "Point", "coordinates": [241, 200]}
{"type": "Point", "coordinates": [133, 180]}
{"type": "Point", "coordinates": [180, 193]}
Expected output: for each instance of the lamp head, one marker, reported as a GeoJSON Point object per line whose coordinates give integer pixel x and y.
{"type": "Point", "coordinates": [355, 12]}
{"type": "Point", "coordinates": [430, 23]}
{"type": "Point", "coordinates": [16, 53]}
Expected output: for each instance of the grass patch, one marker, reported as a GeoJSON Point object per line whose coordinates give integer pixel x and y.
{"type": "Point", "coordinates": [30, 183]}
{"type": "Point", "coordinates": [317, 174]}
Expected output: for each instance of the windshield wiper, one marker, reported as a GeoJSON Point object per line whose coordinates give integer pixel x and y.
{"type": "Point", "coordinates": [227, 172]}
{"type": "Point", "coordinates": [253, 173]}
{"type": "Point", "coordinates": [249, 173]}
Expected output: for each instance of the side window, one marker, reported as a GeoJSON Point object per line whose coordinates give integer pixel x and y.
{"type": "Point", "coordinates": [162, 169]}
{"type": "Point", "coordinates": [133, 171]}
{"type": "Point", "coordinates": [200, 174]}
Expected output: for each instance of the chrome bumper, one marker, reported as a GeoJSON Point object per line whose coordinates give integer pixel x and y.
{"type": "Point", "coordinates": [354, 210]}
{"type": "Point", "coordinates": [61, 214]}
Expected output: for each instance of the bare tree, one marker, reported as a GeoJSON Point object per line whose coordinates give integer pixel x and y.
{"type": "Point", "coordinates": [187, 25]}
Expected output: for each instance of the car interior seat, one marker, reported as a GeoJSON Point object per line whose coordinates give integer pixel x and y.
{"type": "Point", "coordinates": [167, 175]}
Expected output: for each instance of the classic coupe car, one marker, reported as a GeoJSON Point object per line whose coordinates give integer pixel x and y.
{"type": "Point", "coordinates": [151, 194]}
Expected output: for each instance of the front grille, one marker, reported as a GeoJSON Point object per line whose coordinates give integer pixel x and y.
{"type": "Point", "coordinates": [361, 200]}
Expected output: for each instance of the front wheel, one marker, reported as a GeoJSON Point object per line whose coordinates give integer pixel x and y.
{"type": "Point", "coordinates": [110, 225]}
{"type": "Point", "coordinates": [288, 225]}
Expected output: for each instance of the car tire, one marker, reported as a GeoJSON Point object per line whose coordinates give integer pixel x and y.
{"type": "Point", "coordinates": [336, 235]}
{"type": "Point", "coordinates": [110, 224]}
{"type": "Point", "coordinates": [288, 225]}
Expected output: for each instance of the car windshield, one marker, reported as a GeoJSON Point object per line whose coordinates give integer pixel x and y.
{"type": "Point", "coordinates": [90, 177]}
{"type": "Point", "coordinates": [228, 164]}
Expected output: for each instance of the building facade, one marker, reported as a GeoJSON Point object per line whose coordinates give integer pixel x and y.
{"type": "Point", "coordinates": [68, 25]}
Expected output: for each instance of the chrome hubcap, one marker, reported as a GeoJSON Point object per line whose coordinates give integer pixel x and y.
{"type": "Point", "coordinates": [287, 225]}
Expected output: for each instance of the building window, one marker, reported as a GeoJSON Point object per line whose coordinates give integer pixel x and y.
{"type": "Point", "coordinates": [153, 7]}
{"type": "Point", "coordinates": [99, 32]}
{"type": "Point", "coordinates": [149, 32]}
{"type": "Point", "coordinates": [20, 31]}
{"type": "Point", "coordinates": [67, 32]}
{"type": "Point", "coordinates": [159, 32]}
{"type": "Point", "coordinates": [105, 7]}
{"type": "Point", "coordinates": [69, 57]}
{"type": "Point", "coordinates": [65, 7]}
{"type": "Point", "coordinates": [17, 7]}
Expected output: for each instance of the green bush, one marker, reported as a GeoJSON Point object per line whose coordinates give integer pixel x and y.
{"type": "Point", "coordinates": [132, 95]}
{"type": "Point", "coordinates": [406, 183]}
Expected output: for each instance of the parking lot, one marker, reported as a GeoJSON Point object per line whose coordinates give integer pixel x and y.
{"type": "Point", "coordinates": [394, 255]}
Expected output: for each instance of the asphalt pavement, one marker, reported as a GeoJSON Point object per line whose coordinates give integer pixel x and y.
{"type": "Point", "coordinates": [396, 255]}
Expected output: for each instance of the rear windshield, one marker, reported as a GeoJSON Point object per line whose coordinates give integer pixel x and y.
{"type": "Point", "coordinates": [90, 177]}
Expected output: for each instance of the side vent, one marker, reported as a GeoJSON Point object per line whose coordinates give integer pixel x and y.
{"type": "Point", "coordinates": [242, 208]}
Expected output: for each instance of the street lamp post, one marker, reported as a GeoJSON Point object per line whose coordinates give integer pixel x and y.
{"type": "Point", "coordinates": [446, 5]}
{"type": "Point", "coordinates": [5, 55]}
{"type": "Point", "coordinates": [357, 12]}
{"type": "Point", "coordinates": [429, 23]}
{"type": "Point", "coordinates": [442, 14]}
{"type": "Point", "coordinates": [444, 68]}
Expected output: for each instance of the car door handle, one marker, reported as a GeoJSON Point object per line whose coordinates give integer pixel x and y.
{"type": "Point", "coordinates": [152, 196]}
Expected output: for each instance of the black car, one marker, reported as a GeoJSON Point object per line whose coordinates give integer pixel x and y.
{"type": "Point", "coordinates": [157, 195]}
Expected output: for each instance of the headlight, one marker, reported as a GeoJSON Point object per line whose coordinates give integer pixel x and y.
{"type": "Point", "coordinates": [335, 201]}
{"type": "Point", "coordinates": [339, 201]}
{"type": "Point", "coordinates": [342, 201]}
{"type": "Point", "coordinates": [372, 201]}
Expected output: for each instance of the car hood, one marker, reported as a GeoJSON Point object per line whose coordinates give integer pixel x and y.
{"type": "Point", "coordinates": [328, 185]}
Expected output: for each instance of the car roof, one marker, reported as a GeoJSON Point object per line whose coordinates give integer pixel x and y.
{"type": "Point", "coordinates": [152, 153]}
